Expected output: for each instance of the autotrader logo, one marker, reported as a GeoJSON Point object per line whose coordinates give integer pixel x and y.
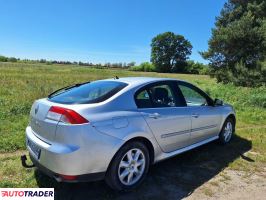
{"type": "Point", "coordinates": [26, 193]}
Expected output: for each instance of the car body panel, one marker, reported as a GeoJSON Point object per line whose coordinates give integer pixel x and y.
{"type": "Point", "coordinates": [90, 148]}
{"type": "Point", "coordinates": [76, 156]}
{"type": "Point", "coordinates": [45, 128]}
{"type": "Point", "coordinates": [205, 122]}
{"type": "Point", "coordinates": [171, 127]}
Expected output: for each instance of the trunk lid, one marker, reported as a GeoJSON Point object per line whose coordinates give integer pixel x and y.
{"type": "Point", "coordinates": [43, 128]}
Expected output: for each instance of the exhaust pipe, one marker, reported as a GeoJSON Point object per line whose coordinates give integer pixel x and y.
{"type": "Point", "coordinates": [23, 159]}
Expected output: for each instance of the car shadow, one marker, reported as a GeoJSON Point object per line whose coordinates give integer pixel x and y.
{"type": "Point", "coordinates": [174, 178]}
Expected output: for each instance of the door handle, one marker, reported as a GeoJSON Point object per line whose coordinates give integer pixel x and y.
{"type": "Point", "coordinates": [195, 115]}
{"type": "Point", "coordinates": [154, 115]}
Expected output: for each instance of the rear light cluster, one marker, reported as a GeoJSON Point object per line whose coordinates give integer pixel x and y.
{"type": "Point", "coordinates": [65, 115]}
{"type": "Point", "coordinates": [68, 177]}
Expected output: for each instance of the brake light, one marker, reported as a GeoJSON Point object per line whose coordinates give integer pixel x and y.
{"type": "Point", "coordinates": [68, 177]}
{"type": "Point", "coordinates": [65, 115]}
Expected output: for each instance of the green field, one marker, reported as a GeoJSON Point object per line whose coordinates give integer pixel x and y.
{"type": "Point", "coordinates": [21, 84]}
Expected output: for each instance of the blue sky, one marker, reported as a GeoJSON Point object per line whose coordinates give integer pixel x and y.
{"type": "Point", "coordinates": [101, 31]}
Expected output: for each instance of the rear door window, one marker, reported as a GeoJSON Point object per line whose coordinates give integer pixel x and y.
{"type": "Point", "coordinates": [158, 95]}
{"type": "Point", "coordinates": [93, 92]}
{"type": "Point", "coordinates": [143, 99]}
{"type": "Point", "coordinates": [162, 96]}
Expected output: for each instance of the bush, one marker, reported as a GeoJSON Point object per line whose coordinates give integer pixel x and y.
{"type": "Point", "coordinates": [250, 77]}
{"type": "Point", "coordinates": [242, 75]}
{"type": "Point", "coordinates": [191, 67]}
{"type": "Point", "coordinates": [196, 68]}
{"type": "Point", "coordinates": [12, 59]}
{"type": "Point", "coordinates": [144, 67]}
{"type": "Point", "coordinates": [3, 59]}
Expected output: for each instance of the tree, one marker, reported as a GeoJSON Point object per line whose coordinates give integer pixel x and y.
{"type": "Point", "coordinates": [3, 59]}
{"type": "Point", "coordinates": [131, 64]}
{"type": "Point", "coordinates": [238, 41]}
{"type": "Point", "coordinates": [12, 59]}
{"type": "Point", "coordinates": [169, 52]}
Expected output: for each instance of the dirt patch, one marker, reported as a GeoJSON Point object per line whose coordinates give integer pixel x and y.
{"type": "Point", "coordinates": [233, 185]}
{"type": "Point", "coordinates": [12, 154]}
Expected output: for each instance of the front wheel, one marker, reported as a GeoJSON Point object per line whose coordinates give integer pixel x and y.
{"type": "Point", "coordinates": [129, 166]}
{"type": "Point", "coordinates": [227, 131]}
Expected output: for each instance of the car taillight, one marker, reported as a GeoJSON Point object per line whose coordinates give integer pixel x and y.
{"type": "Point", "coordinates": [65, 115]}
{"type": "Point", "coordinates": [68, 177]}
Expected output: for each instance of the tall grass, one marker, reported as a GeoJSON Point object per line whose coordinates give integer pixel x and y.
{"type": "Point", "coordinates": [21, 84]}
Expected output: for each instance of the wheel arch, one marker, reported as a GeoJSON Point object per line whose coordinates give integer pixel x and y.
{"type": "Point", "coordinates": [233, 117]}
{"type": "Point", "coordinates": [143, 140]}
{"type": "Point", "coordinates": [147, 143]}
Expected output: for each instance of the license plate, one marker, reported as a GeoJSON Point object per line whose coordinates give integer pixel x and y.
{"type": "Point", "coordinates": [34, 148]}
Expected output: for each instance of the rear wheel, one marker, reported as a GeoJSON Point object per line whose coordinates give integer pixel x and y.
{"type": "Point", "coordinates": [129, 166]}
{"type": "Point", "coordinates": [227, 131]}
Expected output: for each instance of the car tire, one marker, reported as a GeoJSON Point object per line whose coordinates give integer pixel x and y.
{"type": "Point", "coordinates": [129, 166]}
{"type": "Point", "coordinates": [227, 131]}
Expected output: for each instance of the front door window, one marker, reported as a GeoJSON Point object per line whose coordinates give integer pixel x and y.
{"type": "Point", "coordinates": [192, 97]}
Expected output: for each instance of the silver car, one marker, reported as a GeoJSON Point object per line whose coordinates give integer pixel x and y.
{"type": "Point", "coordinates": [114, 129]}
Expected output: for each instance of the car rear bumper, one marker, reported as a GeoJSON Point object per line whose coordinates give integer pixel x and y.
{"type": "Point", "coordinates": [88, 160]}
{"type": "Point", "coordinates": [80, 178]}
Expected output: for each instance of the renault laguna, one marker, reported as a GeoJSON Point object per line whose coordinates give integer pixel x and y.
{"type": "Point", "coordinates": [114, 129]}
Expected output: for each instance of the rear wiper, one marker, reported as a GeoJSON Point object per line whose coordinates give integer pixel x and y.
{"type": "Point", "coordinates": [61, 90]}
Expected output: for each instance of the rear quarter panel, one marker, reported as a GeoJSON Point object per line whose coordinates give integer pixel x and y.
{"type": "Point", "coordinates": [124, 125]}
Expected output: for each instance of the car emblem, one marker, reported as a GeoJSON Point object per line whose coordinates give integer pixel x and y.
{"type": "Point", "coordinates": [36, 109]}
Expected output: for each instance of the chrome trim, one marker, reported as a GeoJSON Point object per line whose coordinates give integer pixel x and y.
{"type": "Point", "coordinates": [175, 133]}
{"type": "Point", "coordinates": [187, 131]}
{"type": "Point", "coordinates": [203, 128]}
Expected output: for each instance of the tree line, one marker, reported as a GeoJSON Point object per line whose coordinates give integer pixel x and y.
{"type": "Point", "coordinates": [236, 50]}
{"type": "Point", "coordinates": [107, 64]}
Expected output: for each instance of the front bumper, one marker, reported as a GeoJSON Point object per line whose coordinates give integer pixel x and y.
{"type": "Point", "coordinates": [88, 160]}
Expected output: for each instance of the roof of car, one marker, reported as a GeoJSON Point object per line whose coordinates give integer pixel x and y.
{"type": "Point", "coordinates": [140, 80]}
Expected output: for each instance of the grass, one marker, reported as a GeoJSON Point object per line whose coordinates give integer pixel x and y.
{"type": "Point", "coordinates": [208, 192]}
{"type": "Point", "coordinates": [12, 174]}
{"type": "Point", "coordinates": [21, 84]}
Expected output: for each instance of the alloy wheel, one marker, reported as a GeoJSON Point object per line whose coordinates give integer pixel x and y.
{"type": "Point", "coordinates": [131, 167]}
{"type": "Point", "coordinates": [228, 131]}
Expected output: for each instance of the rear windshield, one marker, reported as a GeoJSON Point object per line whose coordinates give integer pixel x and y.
{"type": "Point", "coordinates": [93, 92]}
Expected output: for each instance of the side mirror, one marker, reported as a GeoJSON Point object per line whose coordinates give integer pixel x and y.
{"type": "Point", "coordinates": [218, 102]}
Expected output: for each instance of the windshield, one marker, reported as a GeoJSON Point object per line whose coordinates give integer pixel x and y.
{"type": "Point", "coordinates": [93, 92]}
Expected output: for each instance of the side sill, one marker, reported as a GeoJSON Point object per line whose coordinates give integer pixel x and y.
{"type": "Point", "coordinates": [164, 156]}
